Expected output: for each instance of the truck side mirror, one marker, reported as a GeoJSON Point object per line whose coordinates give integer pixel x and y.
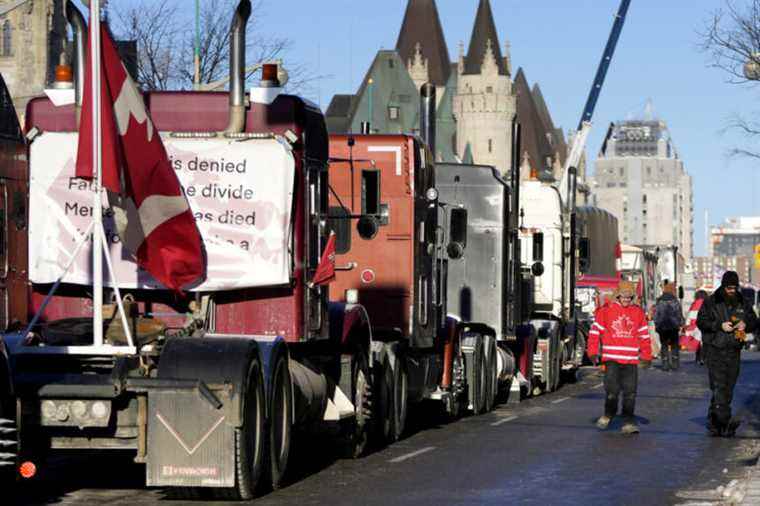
{"type": "Point", "coordinates": [584, 254]}
{"type": "Point", "coordinates": [457, 233]}
{"type": "Point", "coordinates": [680, 292]}
{"type": "Point", "coordinates": [538, 246]}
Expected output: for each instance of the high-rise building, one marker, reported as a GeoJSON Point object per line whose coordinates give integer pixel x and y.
{"type": "Point", "coordinates": [737, 236]}
{"type": "Point", "coordinates": [640, 178]}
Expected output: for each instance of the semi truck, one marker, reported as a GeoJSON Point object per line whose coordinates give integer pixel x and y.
{"type": "Point", "coordinates": [216, 379]}
{"type": "Point", "coordinates": [391, 257]}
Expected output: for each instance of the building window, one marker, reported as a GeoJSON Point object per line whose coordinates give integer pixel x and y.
{"type": "Point", "coordinates": [649, 171]}
{"type": "Point", "coordinates": [489, 89]}
{"type": "Point", "coordinates": [393, 112]}
{"type": "Point", "coordinates": [490, 145]}
{"type": "Point", "coordinates": [390, 63]}
{"type": "Point", "coordinates": [643, 199]}
{"type": "Point", "coordinates": [622, 172]}
{"type": "Point", "coordinates": [7, 41]}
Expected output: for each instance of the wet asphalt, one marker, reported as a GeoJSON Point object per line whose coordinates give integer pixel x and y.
{"type": "Point", "coordinates": [541, 451]}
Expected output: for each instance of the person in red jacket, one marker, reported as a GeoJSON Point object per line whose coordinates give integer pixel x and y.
{"type": "Point", "coordinates": [622, 331]}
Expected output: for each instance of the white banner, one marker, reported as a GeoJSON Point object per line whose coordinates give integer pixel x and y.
{"type": "Point", "coordinates": [240, 191]}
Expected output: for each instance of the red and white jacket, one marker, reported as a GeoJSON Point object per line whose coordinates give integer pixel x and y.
{"type": "Point", "coordinates": [623, 333]}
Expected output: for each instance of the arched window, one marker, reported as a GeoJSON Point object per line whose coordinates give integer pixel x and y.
{"type": "Point", "coordinates": [7, 43]}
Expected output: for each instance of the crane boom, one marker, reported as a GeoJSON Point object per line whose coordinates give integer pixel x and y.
{"type": "Point", "coordinates": [584, 126]}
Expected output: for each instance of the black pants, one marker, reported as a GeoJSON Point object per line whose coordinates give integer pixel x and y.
{"type": "Point", "coordinates": [619, 377]}
{"type": "Point", "coordinates": [723, 368]}
{"type": "Point", "coordinates": [670, 351]}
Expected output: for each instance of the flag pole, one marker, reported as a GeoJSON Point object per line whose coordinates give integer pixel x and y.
{"type": "Point", "coordinates": [97, 243]}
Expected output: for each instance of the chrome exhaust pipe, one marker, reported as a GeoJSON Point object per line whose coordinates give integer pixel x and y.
{"type": "Point", "coordinates": [427, 116]}
{"type": "Point", "coordinates": [79, 27]}
{"type": "Point", "coordinates": [237, 67]}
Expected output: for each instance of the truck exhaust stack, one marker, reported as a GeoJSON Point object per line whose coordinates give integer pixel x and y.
{"type": "Point", "coordinates": [427, 116]}
{"type": "Point", "coordinates": [237, 67]}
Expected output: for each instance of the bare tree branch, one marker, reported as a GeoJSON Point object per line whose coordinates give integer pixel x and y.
{"type": "Point", "coordinates": [731, 38]}
{"type": "Point", "coordinates": [165, 37]}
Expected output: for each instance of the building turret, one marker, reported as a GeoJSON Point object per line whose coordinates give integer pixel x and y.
{"type": "Point", "coordinates": [422, 46]}
{"type": "Point", "coordinates": [484, 104]}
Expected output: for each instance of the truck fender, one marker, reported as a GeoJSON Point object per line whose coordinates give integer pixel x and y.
{"type": "Point", "coordinates": [348, 324]}
{"type": "Point", "coordinates": [222, 363]}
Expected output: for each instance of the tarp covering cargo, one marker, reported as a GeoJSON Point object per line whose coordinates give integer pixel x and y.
{"type": "Point", "coordinates": [240, 191]}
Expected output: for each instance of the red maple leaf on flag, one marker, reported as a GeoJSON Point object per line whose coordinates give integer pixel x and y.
{"type": "Point", "coordinates": [326, 269]}
{"type": "Point", "coordinates": [154, 218]}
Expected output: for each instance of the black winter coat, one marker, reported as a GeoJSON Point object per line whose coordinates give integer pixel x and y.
{"type": "Point", "coordinates": [715, 311]}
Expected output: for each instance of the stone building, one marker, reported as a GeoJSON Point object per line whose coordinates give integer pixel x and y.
{"type": "Point", "coordinates": [640, 178]}
{"type": "Point", "coordinates": [477, 96]}
{"type": "Point", "coordinates": [32, 38]}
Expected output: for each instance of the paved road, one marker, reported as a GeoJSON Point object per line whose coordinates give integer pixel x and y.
{"type": "Point", "coordinates": [543, 451]}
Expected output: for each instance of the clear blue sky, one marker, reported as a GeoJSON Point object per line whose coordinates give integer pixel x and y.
{"type": "Point", "coordinates": [559, 44]}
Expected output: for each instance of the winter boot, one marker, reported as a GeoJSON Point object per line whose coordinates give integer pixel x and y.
{"type": "Point", "coordinates": [603, 422]}
{"type": "Point", "coordinates": [730, 430]}
{"type": "Point", "coordinates": [675, 359]}
{"type": "Point", "coordinates": [665, 357]}
{"type": "Point", "coordinates": [630, 428]}
{"type": "Point", "coordinates": [714, 426]}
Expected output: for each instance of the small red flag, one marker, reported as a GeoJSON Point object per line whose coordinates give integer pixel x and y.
{"type": "Point", "coordinates": [326, 269]}
{"type": "Point", "coordinates": [154, 218]}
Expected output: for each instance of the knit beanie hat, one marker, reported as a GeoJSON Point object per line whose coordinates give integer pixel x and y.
{"type": "Point", "coordinates": [625, 288]}
{"type": "Point", "coordinates": [730, 278]}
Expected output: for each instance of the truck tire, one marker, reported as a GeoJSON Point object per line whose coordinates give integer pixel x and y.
{"type": "Point", "coordinates": [384, 396]}
{"type": "Point", "coordinates": [250, 440]}
{"type": "Point", "coordinates": [356, 430]}
{"type": "Point", "coordinates": [555, 363]}
{"type": "Point", "coordinates": [280, 422]}
{"type": "Point", "coordinates": [492, 383]}
{"type": "Point", "coordinates": [8, 451]}
{"type": "Point", "coordinates": [400, 386]}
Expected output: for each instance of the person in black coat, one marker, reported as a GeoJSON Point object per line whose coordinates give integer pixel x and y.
{"type": "Point", "coordinates": [724, 320]}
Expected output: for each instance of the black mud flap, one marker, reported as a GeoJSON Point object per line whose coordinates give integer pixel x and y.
{"type": "Point", "coordinates": [190, 442]}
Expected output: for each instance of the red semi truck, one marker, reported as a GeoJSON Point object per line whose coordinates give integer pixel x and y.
{"type": "Point", "coordinates": [218, 376]}
{"type": "Point", "coordinates": [391, 258]}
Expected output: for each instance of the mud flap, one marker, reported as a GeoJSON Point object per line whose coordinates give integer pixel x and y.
{"type": "Point", "coordinates": [190, 443]}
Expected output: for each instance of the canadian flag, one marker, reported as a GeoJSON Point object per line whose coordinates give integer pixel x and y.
{"type": "Point", "coordinates": [150, 210]}
{"type": "Point", "coordinates": [326, 269]}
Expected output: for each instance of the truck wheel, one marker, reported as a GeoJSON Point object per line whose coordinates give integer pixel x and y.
{"type": "Point", "coordinates": [356, 430]}
{"type": "Point", "coordinates": [399, 400]}
{"type": "Point", "coordinates": [8, 450]}
{"type": "Point", "coordinates": [555, 363]}
{"type": "Point", "coordinates": [492, 383]}
{"type": "Point", "coordinates": [384, 397]}
{"type": "Point", "coordinates": [249, 439]}
{"type": "Point", "coordinates": [280, 422]}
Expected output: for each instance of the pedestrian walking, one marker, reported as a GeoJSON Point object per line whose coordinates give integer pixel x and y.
{"type": "Point", "coordinates": [725, 318]}
{"type": "Point", "coordinates": [691, 336]}
{"type": "Point", "coordinates": [668, 320]}
{"type": "Point", "coordinates": [621, 329]}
